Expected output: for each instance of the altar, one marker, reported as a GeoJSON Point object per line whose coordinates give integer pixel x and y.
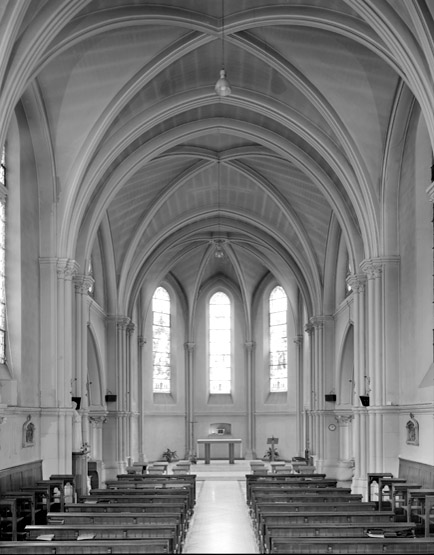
{"type": "Point", "coordinates": [207, 442]}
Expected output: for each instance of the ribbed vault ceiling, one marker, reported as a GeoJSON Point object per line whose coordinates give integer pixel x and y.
{"type": "Point", "coordinates": [141, 141]}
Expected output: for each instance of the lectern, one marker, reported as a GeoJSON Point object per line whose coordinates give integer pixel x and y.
{"type": "Point", "coordinates": [272, 441]}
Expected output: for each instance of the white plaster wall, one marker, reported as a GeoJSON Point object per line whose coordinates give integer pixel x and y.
{"type": "Point", "coordinates": [416, 291]}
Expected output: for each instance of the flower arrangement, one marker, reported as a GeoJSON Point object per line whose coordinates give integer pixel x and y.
{"type": "Point", "coordinates": [169, 455]}
{"type": "Point", "coordinates": [271, 453]}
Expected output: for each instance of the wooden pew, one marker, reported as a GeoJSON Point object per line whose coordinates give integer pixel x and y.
{"type": "Point", "coordinates": [292, 479]}
{"type": "Point", "coordinates": [337, 530]}
{"type": "Point", "coordinates": [347, 545]}
{"type": "Point", "coordinates": [269, 529]}
{"type": "Point", "coordinates": [134, 495]}
{"type": "Point", "coordinates": [427, 517]}
{"type": "Point", "coordinates": [295, 518]}
{"type": "Point", "coordinates": [318, 507]}
{"type": "Point", "coordinates": [305, 497]}
{"type": "Point", "coordinates": [419, 504]}
{"type": "Point", "coordinates": [176, 519]}
{"type": "Point", "coordinates": [154, 507]}
{"type": "Point", "coordinates": [165, 480]}
{"type": "Point", "coordinates": [117, 533]}
{"type": "Point", "coordinates": [131, 495]}
{"type": "Point", "coordinates": [12, 523]}
{"type": "Point", "coordinates": [83, 547]}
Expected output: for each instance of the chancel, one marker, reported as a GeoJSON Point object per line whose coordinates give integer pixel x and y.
{"type": "Point", "coordinates": [194, 279]}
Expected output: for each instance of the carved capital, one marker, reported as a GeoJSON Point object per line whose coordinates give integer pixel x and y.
{"type": "Point", "coordinates": [357, 282]}
{"type": "Point", "coordinates": [130, 328]}
{"type": "Point", "coordinates": [318, 321]}
{"type": "Point", "coordinates": [344, 419]}
{"type": "Point", "coordinates": [66, 268]}
{"type": "Point", "coordinates": [83, 284]}
{"type": "Point", "coordinates": [372, 268]}
{"type": "Point", "coordinates": [97, 421]}
{"type": "Point", "coordinates": [122, 322]}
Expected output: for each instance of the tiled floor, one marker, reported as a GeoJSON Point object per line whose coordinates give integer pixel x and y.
{"type": "Point", "coordinates": [221, 522]}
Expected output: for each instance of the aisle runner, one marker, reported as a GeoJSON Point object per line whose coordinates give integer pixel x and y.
{"type": "Point", "coordinates": [221, 522]}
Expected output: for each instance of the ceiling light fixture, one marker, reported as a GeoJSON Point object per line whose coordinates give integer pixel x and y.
{"type": "Point", "coordinates": [222, 87]}
{"type": "Point", "coordinates": [218, 243]}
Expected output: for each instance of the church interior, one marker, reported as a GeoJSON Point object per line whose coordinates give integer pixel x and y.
{"type": "Point", "coordinates": [216, 227]}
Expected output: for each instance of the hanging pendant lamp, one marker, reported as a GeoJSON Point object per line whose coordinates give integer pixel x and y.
{"type": "Point", "coordinates": [222, 87]}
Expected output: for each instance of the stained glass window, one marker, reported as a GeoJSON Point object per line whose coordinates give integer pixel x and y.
{"type": "Point", "coordinates": [278, 305]}
{"type": "Point", "coordinates": [3, 260]}
{"type": "Point", "coordinates": [161, 328]}
{"type": "Point", "coordinates": [220, 356]}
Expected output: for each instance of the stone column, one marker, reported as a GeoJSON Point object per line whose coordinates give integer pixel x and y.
{"type": "Point", "coordinates": [82, 284]}
{"type": "Point", "coordinates": [189, 399]}
{"type": "Point", "coordinates": [66, 269]}
{"type": "Point", "coordinates": [300, 413]}
{"type": "Point", "coordinates": [250, 393]}
{"type": "Point", "coordinates": [345, 470]}
{"type": "Point", "coordinates": [131, 417]}
{"type": "Point", "coordinates": [318, 388]}
{"type": "Point", "coordinates": [96, 424]}
{"type": "Point", "coordinates": [375, 376]}
{"type": "Point", "coordinates": [121, 379]}
{"type": "Point", "coordinates": [140, 342]}
{"type": "Point", "coordinates": [309, 438]}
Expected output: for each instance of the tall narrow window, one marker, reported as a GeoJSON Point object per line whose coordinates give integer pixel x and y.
{"type": "Point", "coordinates": [278, 305]}
{"type": "Point", "coordinates": [3, 258]}
{"type": "Point", "coordinates": [161, 341]}
{"type": "Point", "coordinates": [220, 343]}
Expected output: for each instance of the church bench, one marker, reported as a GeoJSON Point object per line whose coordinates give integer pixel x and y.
{"type": "Point", "coordinates": [166, 480]}
{"type": "Point", "coordinates": [288, 479]}
{"type": "Point", "coordinates": [337, 530]}
{"type": "Point", "coordinates": [176, 519]}
{"type": "Point", "coordinates": [173, 483]}
{"type": "Point", "coordinates": [348, 545]}
{"type": "Point", "coordinates": [299, 490]}
{"type": "Point", "coordinates": [151, 503]}
{"type": "Point", "coordinates": [419, 505]}
{"type": "Point", "coordinates": [427, 516]}
{"type": "Point", "coordinates": [301, 507]}
{"type": "Point", "coordinates": [84, 547]}
{"type": "Point", "coordinates": [305, 497]}
{"type": "Point", "coordinates": [104, 507]}
{"type": "Point", "coordinates": [12, 522]}
{"type": "Point", "coordinates": [26, 503]}
{"type": "Point", "coordinates": [311, 517]}
{"type": "Point", "coordinates": [117, 533]}
{"type": "Point", "coordinates": [265, 518]}
{"type": "Point", "coordinates": [133, 494]}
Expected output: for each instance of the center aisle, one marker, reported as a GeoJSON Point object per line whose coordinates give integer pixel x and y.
{"type": "Point", "coordinates": [221, 522]}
